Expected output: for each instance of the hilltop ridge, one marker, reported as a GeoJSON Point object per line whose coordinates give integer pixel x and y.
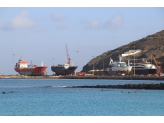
{"type": "Point", "coordinates": [152, 44]}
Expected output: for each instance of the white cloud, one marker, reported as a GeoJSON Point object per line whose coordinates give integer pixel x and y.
{"type": "Point", "coordinates": [21, 20]}
{"type": "Point", "coordinates": [114, 23]}
{"type": "Point", "coordinates": [94, 24]}
{"type": "Point", "coordinates": [58, 16]}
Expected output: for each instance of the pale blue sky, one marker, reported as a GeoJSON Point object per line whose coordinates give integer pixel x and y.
{"type": "Point", "coordinates": [40, 33]}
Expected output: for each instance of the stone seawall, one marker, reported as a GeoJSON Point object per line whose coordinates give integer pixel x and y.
{"type": "Point", "coordinates": [127, 86]}
{"type": "Point", "coordinates": [116, 77]}
{"type": "Point", "coordinates": [29, 77]}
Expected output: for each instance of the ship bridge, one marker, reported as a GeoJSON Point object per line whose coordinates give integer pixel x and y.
{"type": "Point", "coordinates": [22, 64]}
{"type": "Point", "coordinates": [66, 66]}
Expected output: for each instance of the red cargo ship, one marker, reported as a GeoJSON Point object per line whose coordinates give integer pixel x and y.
{"type": "Point", "coordinates": [23, 68]}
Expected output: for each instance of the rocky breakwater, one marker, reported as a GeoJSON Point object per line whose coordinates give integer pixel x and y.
{"type": "Point", "coordinates": [116, 77]}
{"type": "Point", "coordinates": [126, 86]}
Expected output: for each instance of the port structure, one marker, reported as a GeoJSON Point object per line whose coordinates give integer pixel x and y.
{"type": "Point", "coordinates": [69, 59]}
{"type": "Point", "coordinates": [159, 69]}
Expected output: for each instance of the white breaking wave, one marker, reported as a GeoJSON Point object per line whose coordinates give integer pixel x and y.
{"type": "Point", "coordinates": [60, 86]}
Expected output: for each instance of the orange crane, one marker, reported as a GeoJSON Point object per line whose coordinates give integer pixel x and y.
{"type": "Point", "coordinates": [159, 69]}
{"type": "Point", "coordinates": [69, 59]}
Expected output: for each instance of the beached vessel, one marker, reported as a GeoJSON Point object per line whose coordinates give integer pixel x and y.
{"type": "Point", "coordinates": [63, 69]}
{"type": "Point", "coordinates": [23, 68]}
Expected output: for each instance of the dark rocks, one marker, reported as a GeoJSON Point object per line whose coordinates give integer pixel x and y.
{"type": "Point", "coordinates": [116, 77]}
{"type": "Point", "coordinates": [127, 86]}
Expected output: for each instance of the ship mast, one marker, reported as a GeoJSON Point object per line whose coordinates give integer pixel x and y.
{"type": "Point", "coordinates": [31, 64]}
{"type": "Point", "coordinates": [69, 60]}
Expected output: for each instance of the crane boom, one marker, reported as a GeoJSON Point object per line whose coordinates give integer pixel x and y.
{"type": "Point", "coordinates": [69, 60]}
{"type": "Point", "coordinates": [159, 69]}
{"type": "Point", "coordinates": [67, 51]}
{"type": "Point", "coordinates": [155, 60]}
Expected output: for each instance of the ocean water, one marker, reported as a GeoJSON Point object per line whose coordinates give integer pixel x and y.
{"type": "Point", "coordinates": [49, 97]}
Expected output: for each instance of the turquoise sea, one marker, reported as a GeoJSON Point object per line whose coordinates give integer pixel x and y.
{"type": "Point", "coordinates": [49, 97]}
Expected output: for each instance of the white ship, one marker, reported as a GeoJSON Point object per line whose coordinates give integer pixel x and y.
{"type": "Point", "coordinates": [144, 68]}
{"type": "Point", "coordinates": [115, 68]}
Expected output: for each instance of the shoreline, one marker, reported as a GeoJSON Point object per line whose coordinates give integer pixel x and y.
{"type": "Point", "coordinates": [131, 77]}
{"type": "Point", "coordinates": [30, 77]}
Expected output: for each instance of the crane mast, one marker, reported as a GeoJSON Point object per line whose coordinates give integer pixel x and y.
{"type": "Point", "coordinates": [69, 60]}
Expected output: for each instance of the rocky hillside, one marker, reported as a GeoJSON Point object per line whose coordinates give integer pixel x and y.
{"type": "Point", "coordinates": [152, 44]}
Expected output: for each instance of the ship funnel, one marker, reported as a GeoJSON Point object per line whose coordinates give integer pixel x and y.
{"type": "Point", "coordinates": [111, 60]}
{"type": "Point", "coordinates": [42, 63]}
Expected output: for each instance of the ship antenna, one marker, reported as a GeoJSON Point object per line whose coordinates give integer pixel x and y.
{"type": "Point", "coordinates": [21, 58]}
{"type": "Point", "coordinates": [65, 61]}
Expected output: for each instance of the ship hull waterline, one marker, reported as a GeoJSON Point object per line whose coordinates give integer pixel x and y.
{"type": "Point", "coordinates": [118, 72]}
{"type": "Point", "coordinates": [63, 71]}
{"type": "Point", "coordinates": [38, 71]}
{"type": "Point", "coordinates": [144, 71]}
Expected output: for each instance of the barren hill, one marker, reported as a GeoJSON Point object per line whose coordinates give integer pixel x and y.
{"type": "Point", "coordinates": [152, 44]}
